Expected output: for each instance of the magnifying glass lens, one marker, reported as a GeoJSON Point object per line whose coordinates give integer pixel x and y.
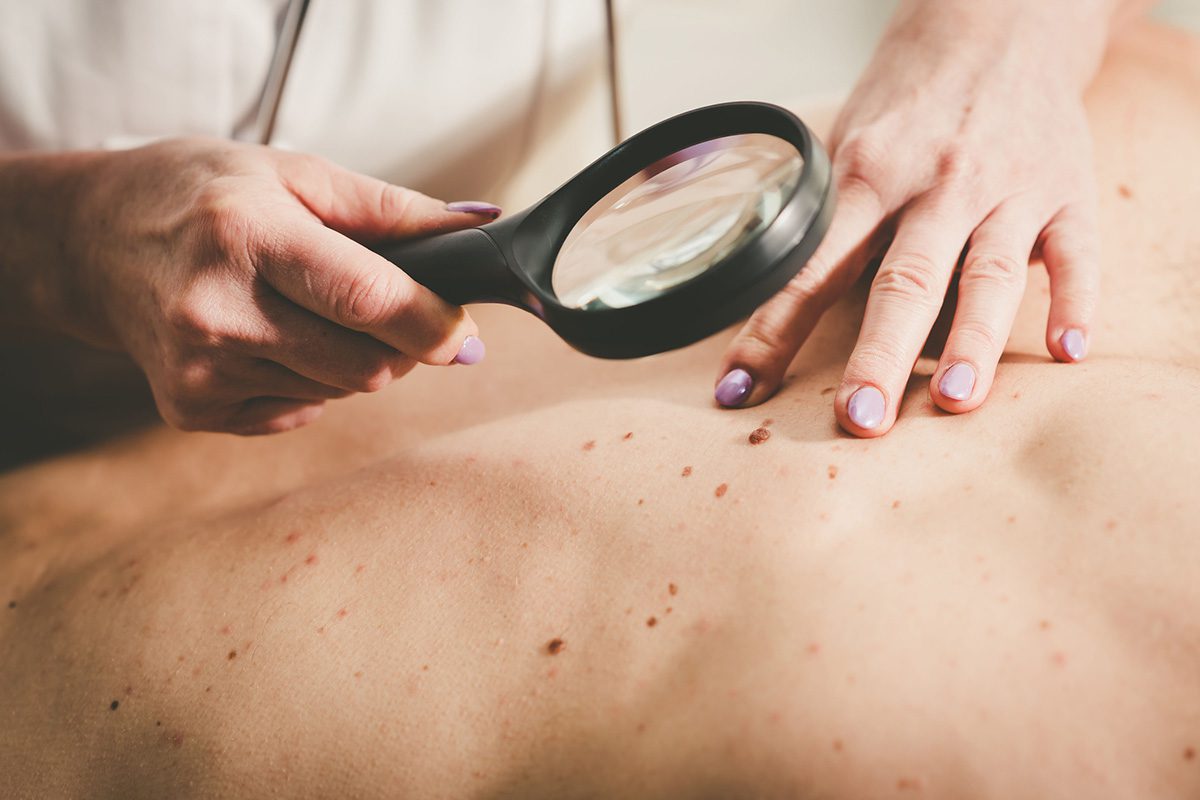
{"type": "Point", "coordinates": [674, 220]}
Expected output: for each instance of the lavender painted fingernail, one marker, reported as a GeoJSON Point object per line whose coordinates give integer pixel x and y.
{"type": "Point", "coordinates": [957, 382]}
{"type": "Point", "coordinates": [474, 207]}
{"type": "Point", "coordinates": [734, 388]}
{"type": "Point", "coordinates": [866, 407]}
{"type": "Point", "coordinates": [1074, 344]}
{"type": "Point", "coordinates": [471, 352]}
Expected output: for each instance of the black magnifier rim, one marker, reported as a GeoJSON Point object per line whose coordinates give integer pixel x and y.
{"type": "Point", "coordinates": [703, 305]}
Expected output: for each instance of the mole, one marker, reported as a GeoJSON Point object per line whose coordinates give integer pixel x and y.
{"type": "Point", "coordinates": [232, 655]}
{"type": "Point", "coordinates": [291, 537]}
{"type": "Point", "coordinates": [113, 705]}
{"type": "Point", "coordinates": [895, 504]}
{"type": "Point", "coordinates": [721, 490]}
{"type": "Point", "coordinates": [1189, 754]}
{"type": "Point", "coordinates": [686, 471]}
{"type": "Point", "coordinates": [312, 559]}
{"type": "Point", "coordinates": [759, 435]}
{"type": "Point", "coordinates": [627, 437]}
{"type": "Point", "coordinates": [12, 603]}
{"type": "Point", "coordinates": [1124, 191]}
{"type": "Point", "coordinates": [833, 471]}
{"type": "Point", "coordinates": [588, 445]}
{"type": "Point", "coordinates": [555, 646]}
{"type": "Point", "coordinates": [672, 589]}
{"type": "Point", "coordinates": [650, 623]}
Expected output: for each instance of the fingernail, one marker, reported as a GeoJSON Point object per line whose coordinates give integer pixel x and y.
{"type": "Point", "coordinates": [474, 207]}
{"type": "Point", "coordinates": [866, 407]}
{"type": "Point", "coordinates": [471, 352]}
{"type": "Point", "coordinates": [1074, 344]}
{"type": "Point", "coordinates": [734, 388]}
{"type": "Point", "coordinates": [957, 382]}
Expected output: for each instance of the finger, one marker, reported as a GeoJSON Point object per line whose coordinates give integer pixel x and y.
{"type": "Point", "coordinates": [260, 416]}
{"type": "Point", "coordinates": [342, 281]}
{"type": "Point", "coordinates": [906, 295]}
{"type": "Point", "coordinates": [758, 357]}
{"type": "Point", "coordinates": [1070, 248]}
{"type": "Point", "coordinates": [370, 209]}
{"type": "Point", "coordinates": [318, 349]}
{"type": "Point", "coordinates": [990, 289]}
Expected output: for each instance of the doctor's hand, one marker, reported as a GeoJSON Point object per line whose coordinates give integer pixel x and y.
{"type": "Point", "coordinates": [232, 275]}
{"type": "Point", "coordinates": [965, 139]}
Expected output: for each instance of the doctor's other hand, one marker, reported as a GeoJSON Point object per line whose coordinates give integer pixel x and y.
{"type": "Point", "coordinates": [966, 139]}
{"type": "Point", "coordinates": [234, 277]}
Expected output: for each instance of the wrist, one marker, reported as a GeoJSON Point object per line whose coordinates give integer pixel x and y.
{"type": "Point", "coordinates": [40, 247]}
{"type": "Point", "coordinates": [1059, 41]}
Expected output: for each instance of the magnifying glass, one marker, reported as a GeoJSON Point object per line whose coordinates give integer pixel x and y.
{"type": "Point", "coordinates": [675, 234]}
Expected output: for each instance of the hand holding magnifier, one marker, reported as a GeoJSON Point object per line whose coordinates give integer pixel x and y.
{"type": "Point", "coordinates": [670, 237]}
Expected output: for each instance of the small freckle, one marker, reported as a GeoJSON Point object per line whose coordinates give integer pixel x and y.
{"type": "Point", "coordinates": [555, 646]}
{"type": "Point", "coordinates": [668, 610]}
{"type": "Point", "coordinates": [433, 483]}
{"type": "Point", "coordinates": [832, 471]}
{"type": "Point", "coordinates": [1011, 519]}
{"type": "Point", "coordinates": [1110, 525]}
{"type": "Point", "coordinates": [283, 578]}
{"type": "Point", "coordinates": [686, 471]}
{"type": "Point", "coordinates": [905, 784]}
{"type": "Point", "coordinates": [1044, 625]}
{"type": "Point", "coordinates": [358, 674]}
{"type": "Point", "coordinates": [158, 723]}
{"type": "Point", "coordinates": [1124, 191]}
{"type": "Point", "coordinates": [641, 501]}
{"type": "Point", "coordinates": [650, 623]}
{"type": "Point", "coordinates": [672, 589]}
{"type": "Point", "coordinates": [838, 746]}
{"type": "Point", "coordinates": [641, 727]}
{"type": "Point", "coordinates": [424, 668]}
{"type": "Point", "coordinates": [588, 445]}
{"type": "Point", "coordinates": [342, 613]}
{"type": "Point", "coordinates": [208, 690]}
{"type": "Point", "coordinates": [12, 603]}
{"type": "Point", "coordinates": [1059, 658]}
{"type": "Point", "coordinates": [1189, 754]}
{"type": "Point", "coordinates": [1016, 395]}
{"type": "Point", "coordinates": [627, 436]}
{"type": "Point", "coordinates": [321, 630]}
{"type": "Point", "coordinates": [721, 490]}
{"type": "Point", "coordinates": [628, 611]}
{"type": "Point", "coordinates": [292, 537]}
{"type": "Point", "coordinates": [758, 436]}
{"type": "Point", "coordinates": [232, 655]}
{"type": "Point", "coordinates": [814, 648]}
{"type": "Point", "coordinates": [114, 705]}
{"type": "Point", "coordinates": [312, 559]}
{"type": "Point", "coordinates": [225, 630]}
{"type": "Point", "coordinates": [895, 504]}
{"type": "Point", "coordinates": [128, 690]}
{"type": "Point", "coordinates": [360, 569]}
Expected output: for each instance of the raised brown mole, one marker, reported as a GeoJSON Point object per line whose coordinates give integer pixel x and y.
{"type": "Point", "coordinates": [555, 646]}
{"type": "Point", "coordinates": [650, 623]}
{"type": "Point", "coordinates": [721, 490]}
{"type": "Point", "coordinates": [627, 436]}
{"type": "Point", "coordinates": [759, 435]}
{"type": "Point", "coordinates": [686, 471]}
{"type": "Point", "coordinates": [672, 589]}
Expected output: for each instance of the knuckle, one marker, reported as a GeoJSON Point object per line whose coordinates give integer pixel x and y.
{"type": "Point", "coordinates": [192, 316]}
{"type": "Point", "coordinates": [977, 336]}
{"type": "Point", "coordinates": [364, 300]}
{"type": "Point", "coordinates": [911, 278]}
{"type": "Point", "coordinates": [861, 157]}
{"type": "Point", "coordinates": [993, 268]}
{"type": "Point", "coordinates": [226, 227]}
{"type": "Point", "coordinates": [957, 163]}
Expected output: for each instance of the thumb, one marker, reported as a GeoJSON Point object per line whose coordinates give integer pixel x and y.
{"type": "Point", "coordinates": [366, 208]}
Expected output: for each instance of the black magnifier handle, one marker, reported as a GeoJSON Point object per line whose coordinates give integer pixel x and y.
{"type": "Point", "coordinates": [463, 266]}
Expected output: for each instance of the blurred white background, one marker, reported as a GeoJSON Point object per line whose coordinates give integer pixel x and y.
{"type": "Point", "coordinates": [676, 54]}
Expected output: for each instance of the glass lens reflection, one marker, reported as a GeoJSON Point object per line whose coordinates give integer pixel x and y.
{"type": "Point", "coordinates": [674, 220]}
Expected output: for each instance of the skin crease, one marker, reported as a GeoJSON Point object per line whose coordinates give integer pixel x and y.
{"type": "Point", "coordinates": [966, 594]}
{"type": "Point", "coordinates": [229, 273]}
{"type": "Point", "coordinates": [985, 100]}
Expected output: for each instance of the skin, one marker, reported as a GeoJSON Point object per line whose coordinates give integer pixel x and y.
{"type": "Point", "coordinates": [232, 275]}
{"type": "Point", "coordinates": [962, 596]}
{"type": "Point", "coordinates": [986, 102]}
